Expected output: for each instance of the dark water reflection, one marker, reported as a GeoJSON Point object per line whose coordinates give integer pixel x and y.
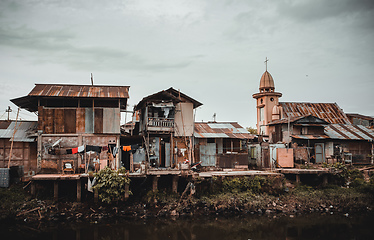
{"type": "Point", "coordinates": [252, 227]}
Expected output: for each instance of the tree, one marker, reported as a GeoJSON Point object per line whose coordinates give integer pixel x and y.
{"type": "Point", "coordinates": [252, 130]}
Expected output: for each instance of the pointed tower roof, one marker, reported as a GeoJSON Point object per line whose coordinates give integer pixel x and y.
{"type": "Point", "coordinates": [266, 81]}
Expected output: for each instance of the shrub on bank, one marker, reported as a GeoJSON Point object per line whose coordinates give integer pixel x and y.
{"type": "Point", "coordinates": [111, 185]}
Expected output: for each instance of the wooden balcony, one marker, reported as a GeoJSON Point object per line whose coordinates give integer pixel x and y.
{"type": "Point", "coordinates": [160, 124]}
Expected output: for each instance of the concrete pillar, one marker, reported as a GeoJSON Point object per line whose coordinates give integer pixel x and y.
{"type": "Point", "coordinates": [55, 191]}
{"type": "Point", "coordinates": [79, 190]}
{"type": "Point", "coordinates": [155, 183]}
{"type": "Point", "coordinates": [174, 186]}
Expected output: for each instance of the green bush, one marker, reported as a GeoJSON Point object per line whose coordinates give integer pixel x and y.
{"type": "Point", "coordinates": [255, 184]}
{"type": "Point", "coordinates": [111, 185]}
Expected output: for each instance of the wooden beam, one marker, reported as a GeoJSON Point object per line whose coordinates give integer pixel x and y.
{"type": "Point", "coordinates": [297, 178]}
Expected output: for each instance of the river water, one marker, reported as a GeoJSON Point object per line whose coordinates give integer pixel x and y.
{"type": "Point", "coordinates": [250, 227]}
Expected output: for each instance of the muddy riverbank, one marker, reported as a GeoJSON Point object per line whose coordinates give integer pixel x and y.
{"type": "Point", "coordinates": [223, 199]}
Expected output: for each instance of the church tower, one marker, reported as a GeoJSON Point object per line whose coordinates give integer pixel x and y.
{"type": "Point", "coordinates": [267, 103]}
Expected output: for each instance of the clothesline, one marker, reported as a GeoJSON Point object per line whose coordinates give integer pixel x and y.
{"type": "Point", "coordinates": [92, 148]}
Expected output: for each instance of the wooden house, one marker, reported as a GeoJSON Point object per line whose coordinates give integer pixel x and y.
{"type": "Point", "coordinates": [221, 144]}
{"type": "Point", "coordinates": [166, 125]}
{"type": "Point", "coordinates": [72, 116]}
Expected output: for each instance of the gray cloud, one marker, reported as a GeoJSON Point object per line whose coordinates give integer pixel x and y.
{"type": "Point", "coordinates": [56, 47]}
{"type": "Point", "coordinates": [317, 10]}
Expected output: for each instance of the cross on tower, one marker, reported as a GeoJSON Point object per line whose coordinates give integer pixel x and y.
{"type": "Point", "coordinates": [266, 63]}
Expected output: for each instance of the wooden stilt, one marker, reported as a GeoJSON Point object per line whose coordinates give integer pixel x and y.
{"type": "Point", "coordinates": [78, 234]}
{"type": "Point", "coordinates": [96, 196]}
{"type": "Point", "coordinates": [325, 180]}
{"type": "Point", "coordinates": [79, 190]}
{"type": "Point", "coordinates": [33, 189]}
{"type": "Point", "coordinates": [155, 183]}
{"type": "Point", "coordinates": [297, 178]}
{"type": "Point", "coordinates": [127, 190]}
{"type": "Point", "coordinates": [55, 191]}
{"type": "Point", "coordinates": [175, 184]}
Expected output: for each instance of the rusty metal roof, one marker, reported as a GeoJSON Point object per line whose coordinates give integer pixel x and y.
{"type": "Point", "coordinates": [330, 112]}
{"type": "Point", "coordinates": [349, 132]}
{"type": "Point", "coordinates": [169, 95]}
{"type": "Point", "coordinates": [79, 91]}
{"type": "Point", "coordinates": [310, 120]}
{"type": "Point", "coordinates": [221, 130]}
{"type": "Point", "coordinates": [342, 132]}
{"type": "Point", "coordinates": [30, 102]}
{"type": "Point", "coordinates": [24, 129]}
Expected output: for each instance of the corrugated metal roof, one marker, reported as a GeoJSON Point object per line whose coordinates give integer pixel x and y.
{"type": "Point", "coordinates": [221, 130]}
{"type": "Point", "coordinates": [329, 112]}
{"type": "Point", "coordinates": [56, 90]}
{"type": "Point", "coordinates": [349, 132]}
{"type": "Point", "coordinates": [170, 95]}
{"type": "Point", "coordinates": [24, 128]}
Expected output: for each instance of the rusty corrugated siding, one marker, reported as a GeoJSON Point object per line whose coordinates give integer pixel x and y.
{"type": "Point", "coordinates": [55, 90]}
{"type": "Point", "coordinates": [22, 133]}
{"type": "Point", "coordinates": [221, 130]}
{"type": "Point", "coordinates": [329, 112]}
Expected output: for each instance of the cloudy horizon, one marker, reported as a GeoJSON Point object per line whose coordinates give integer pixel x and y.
{"type": "Point", "coordinates": [214, 51]}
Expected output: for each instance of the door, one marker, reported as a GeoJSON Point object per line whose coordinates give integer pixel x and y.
{"type": "Point", "coordinates": [319, 151]}
{"type": "Point", "coordinates": [208, 155]}
{"type": "Point", "coordinates": [167, 154]}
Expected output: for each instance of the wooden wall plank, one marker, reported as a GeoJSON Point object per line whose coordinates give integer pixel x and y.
{"type": "Point", "coordinates": [70, 120]}
{"type": "Point", "coordinates": [80, 120]}
{"type": "Point", "coordinates": [59, 120]}
{"type": "Point", "coordinates": [98, 121]}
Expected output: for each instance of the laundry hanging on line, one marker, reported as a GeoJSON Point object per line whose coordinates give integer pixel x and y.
{"type": "Point", "coordinates": [131, 148]}
{"type": "Point", "coordinates": [93, 148]}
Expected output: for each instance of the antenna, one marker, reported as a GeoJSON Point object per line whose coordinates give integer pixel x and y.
{"type": "Point", "coordinates": [91, 79]}
{"type": "Point", "coordinates": [266, 63]}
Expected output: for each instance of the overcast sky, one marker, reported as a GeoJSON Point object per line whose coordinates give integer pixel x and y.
{"type": "Point", "coordinates": [212, 50]}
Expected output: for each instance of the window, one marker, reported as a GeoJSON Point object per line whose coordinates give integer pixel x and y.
{"type": "Point", "coordinates": [262, 114]}
{"type": "Point", "coordinates": [210, 140]}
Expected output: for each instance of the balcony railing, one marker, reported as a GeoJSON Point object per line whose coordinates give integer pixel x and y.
{"type": "Point", "coordinates": [161, 122]}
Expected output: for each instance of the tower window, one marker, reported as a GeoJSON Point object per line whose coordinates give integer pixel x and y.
{"type": "Point", "coordinates": [272, 99]}
{"type": "Point", "coordinates": [262, 101]}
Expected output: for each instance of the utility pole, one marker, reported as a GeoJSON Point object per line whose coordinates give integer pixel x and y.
{"type": "Point", "coordinates": [9, 110]}
{"type": "Point", "coordinates": [11, 145]}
